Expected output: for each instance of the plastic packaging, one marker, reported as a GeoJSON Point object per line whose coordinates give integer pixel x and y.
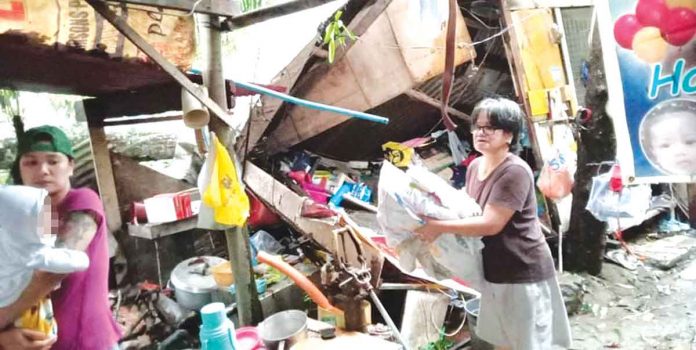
{"type": "Point", "coordinates": [403, 198]}
{"type": "Point", "coordinates": [605, 204]}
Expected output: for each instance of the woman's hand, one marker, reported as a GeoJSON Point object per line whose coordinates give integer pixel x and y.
{"type": "Point", "coordinates": [430, 231]}
{"type": "Point", "coordinates": [19, 338]}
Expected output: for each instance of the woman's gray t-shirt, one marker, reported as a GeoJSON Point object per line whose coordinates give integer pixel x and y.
{"type": "Point", "coordinates": [519, 253]}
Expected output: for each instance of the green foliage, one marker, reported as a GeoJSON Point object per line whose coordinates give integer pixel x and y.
{"type": "Point", "coordinates": [335, 34]}
{"type": "Point", "coordinates": [249, 5]}
{"type": "Point", "coordinates": [441, 343]}
{"type": "Point", "coordinates": [9, 103]}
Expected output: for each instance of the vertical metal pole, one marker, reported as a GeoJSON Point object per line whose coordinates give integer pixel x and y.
{"type": "Point", "coordinates": [210, 46]}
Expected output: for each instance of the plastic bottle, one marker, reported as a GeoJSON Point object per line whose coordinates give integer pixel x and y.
{"type": "Point", "coordinates": [217, 331]}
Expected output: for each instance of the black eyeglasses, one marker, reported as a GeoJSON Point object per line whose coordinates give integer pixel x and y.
{"type": "Point", "coordinates": [485, 129]}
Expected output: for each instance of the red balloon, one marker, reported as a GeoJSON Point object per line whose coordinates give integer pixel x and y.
{"type": "Point", "coordinates": [681, 26]}
{"type": "Point", "coordinates": [625, 29]}
{"type": "Point", "coordinates": [652, 12]}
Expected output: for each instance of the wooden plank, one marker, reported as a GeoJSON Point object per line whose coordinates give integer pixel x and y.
{"type": "Point", "coordinates": [123, 27]}
{"type": "Point", "coordinates": [288, 205]}
{"type": "Point", "coordinates": [63, 71]}
{"type": "Point", "coordinates": [212, 7]}
{"type": "Point", "coordinates": [361, 23]}
{"type": "Point", "coordinates": [271, 12]}
{"type": "Point", "coordinates": [338, 87]}
{"type": "Point", "coordinates": [154, 99]}
{"type": "Point", "coordinates": [520, 78]}
{"type": "Point", "coordinates": [290, 74]}
{"type": "Point", "coordinates": [131, 121]}
{"type": "Point", "coordinates": [423, 49]}
{"type": "Point", "coordinates": [104, 174]}
{"type": "Point", "coordinates": [417, 95]}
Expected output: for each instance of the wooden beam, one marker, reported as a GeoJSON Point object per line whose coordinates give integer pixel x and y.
{"type": "Point", "coordinates": [271, 12]}
{"type": "Point", "coordinates": [360, 26]}
{"type": "Point", "coordinates": [125, 29]}
{"type": "Point", "coordinates": [150, 100]}
{"type": "Point", "coordinates": [131, 121]}
{"type": "Point", "coordinates": [420, 96]}
{"type": "Point", "coordinates": [213, 7]}
{"type": "Point", "coordinates": [104, 173]}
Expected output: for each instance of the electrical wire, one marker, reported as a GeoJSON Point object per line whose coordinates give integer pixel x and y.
{"type": "Point", "coordinates": [477, 18]}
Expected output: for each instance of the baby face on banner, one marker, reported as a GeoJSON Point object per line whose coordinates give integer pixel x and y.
{"type": "Point", "coordinates": [668, 136]}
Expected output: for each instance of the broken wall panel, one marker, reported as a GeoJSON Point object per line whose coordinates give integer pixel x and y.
{"type": "Point", "coordinates": [394, 55]}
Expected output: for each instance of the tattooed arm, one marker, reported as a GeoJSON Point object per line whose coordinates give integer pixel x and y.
{"type": "Point", "coordinates": [76, 232]}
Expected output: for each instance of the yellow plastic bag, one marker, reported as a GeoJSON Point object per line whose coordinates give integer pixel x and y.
{"type": "Point", "coordinates": [39, 318]}
{"type": "Point", "coordinates": [225, 194]}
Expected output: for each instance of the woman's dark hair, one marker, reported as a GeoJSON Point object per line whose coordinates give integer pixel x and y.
{"type": "Point", "coordinates": [502, 114]}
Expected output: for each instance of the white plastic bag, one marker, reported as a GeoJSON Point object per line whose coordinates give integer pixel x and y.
{"type": "Point", "coordinates": [403, 198]}
{"type": "Point", "coordinates": [605, 204]}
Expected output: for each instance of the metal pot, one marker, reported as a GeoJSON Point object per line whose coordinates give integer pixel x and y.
{"type": "Point", "coordinates": [284, 329]}
{"type": "Point", "coordinates": [193, 282]}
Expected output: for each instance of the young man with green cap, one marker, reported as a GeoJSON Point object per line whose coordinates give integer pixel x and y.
{"type": "Point", "coordinates": [45, 159]}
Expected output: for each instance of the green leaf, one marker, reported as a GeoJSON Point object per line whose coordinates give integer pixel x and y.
{"type": "Point", "coordinates": [332, 51]}
{"type": "Point", "coordinates": [351, 35]}
{"type": "Point", "coordinates": [338, 15]}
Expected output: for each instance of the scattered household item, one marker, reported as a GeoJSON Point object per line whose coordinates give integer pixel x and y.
{"type": "Point", "coordinates": [472, 312]}
{"type": "Point", "coordinates": [303, 282]}
{"type": "Point", "coordinates": [248, 338]}
{"type": "Point", "coordinates": [217, 331]}
{"type": "Point", "coordinates": [606, 203]}
{"type": "Point", "coordinates": [222, 274]}
{"type": "Point", "coordinates": [621, 257]}
{"type": "Point", "coordinates": [403, 198]}
{"type": "Point", "coordinates": [555, 180]}
{"type": "Point", "coordinates": [263, 240]}
{"type": "Point", "coordinates": [261, 287]}
{"type": "Point", "coordinates": [259, 214]}
{"type": "Point", "coordinates": [193, 282]}
{"type": "Point", "coordinates": [195, 116]}
{"type": "Point", "coordinates": [284, 329]}
{"type": "Point", "coordinates": [166, 207]}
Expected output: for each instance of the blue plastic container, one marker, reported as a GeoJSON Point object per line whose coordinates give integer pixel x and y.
{"type": "Point", "coordinates": [217, 331]}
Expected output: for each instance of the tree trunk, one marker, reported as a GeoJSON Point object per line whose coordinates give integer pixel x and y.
{"type": "Point", "coordinates": [596, 143]}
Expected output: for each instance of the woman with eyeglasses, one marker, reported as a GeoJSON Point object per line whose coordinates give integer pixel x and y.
{"type": "Point", "coordinates": [521, 304]}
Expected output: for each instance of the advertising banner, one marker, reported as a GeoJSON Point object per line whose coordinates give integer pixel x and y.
{"type": "Point", "coordinates": [75, 23]}
{"type": "Point", "coordinates": [655, 49]}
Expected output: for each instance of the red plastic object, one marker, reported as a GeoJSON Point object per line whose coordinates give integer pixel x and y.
{"type": "Point", "coordinates": [138, 213]}
{"type": "Point", "coordinates": [248, 339]}
{"type": "Point", "coordinates": [615, 183]}
{"type": "Point", "coordinates": [259, 214]}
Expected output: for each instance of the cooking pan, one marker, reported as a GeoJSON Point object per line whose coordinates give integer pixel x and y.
{"type": "Point", "coordinates": [284, 329]}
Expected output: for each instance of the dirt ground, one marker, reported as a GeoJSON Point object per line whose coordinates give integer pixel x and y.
{"type": "Point", "coordinates": [645, 308]}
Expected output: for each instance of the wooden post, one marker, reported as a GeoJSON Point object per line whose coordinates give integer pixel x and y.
{"type": "Point", "coordinates": [248, 303]}
{"type": "Point", "coordinates": [104, 173]}
{"type": "Point", "coordinates": [512, 49]}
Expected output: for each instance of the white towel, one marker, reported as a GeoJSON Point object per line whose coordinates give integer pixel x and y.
{"type": "Point", "coordinates": [21, 247]}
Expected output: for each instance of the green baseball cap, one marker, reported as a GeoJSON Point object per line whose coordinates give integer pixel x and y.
{"type": "Point", "coordinates": [45, 138]}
